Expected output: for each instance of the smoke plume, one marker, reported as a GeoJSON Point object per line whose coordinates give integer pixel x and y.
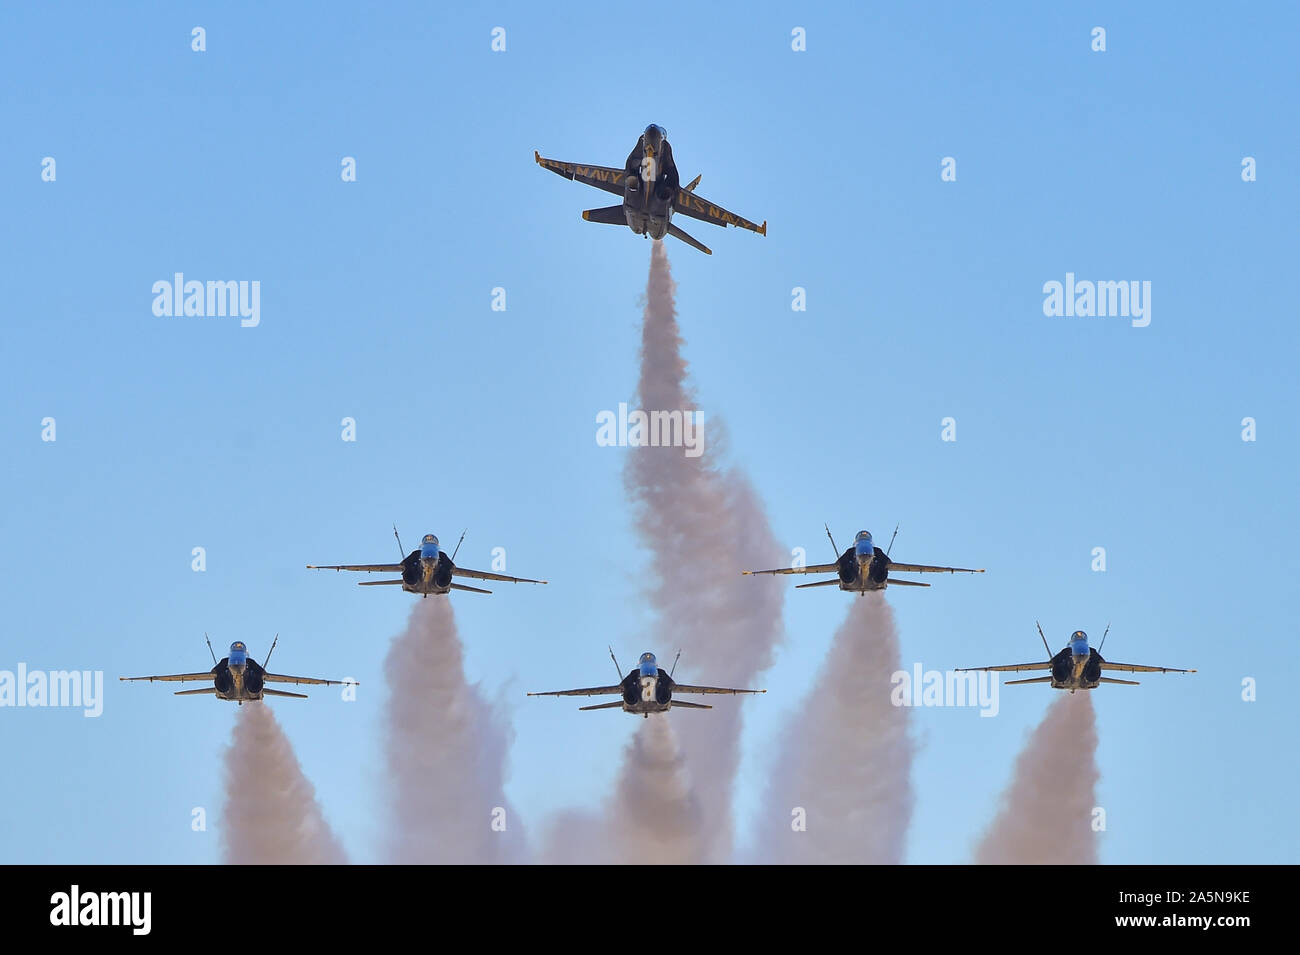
{"type": "Point", "coordinates": [271, 813]}
{"type": "Point", "coordinates": [846, 757]}
{"type": "Point", "coordinates": [446, 751]}
{"type": "Point", "coordinates": [653, 817]}
{"type": "Point", "coordinates": [1045, 815]}
{"type": "Point", "coordinates": [701, 524]}
{"type": "Point", "coordinates": [655, 810]}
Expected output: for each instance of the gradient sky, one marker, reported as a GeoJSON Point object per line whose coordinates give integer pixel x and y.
{"type": "Point", "coordinates": [924, 301]}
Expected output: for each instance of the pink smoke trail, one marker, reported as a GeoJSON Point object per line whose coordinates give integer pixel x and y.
{"type": "Point", "coordinates": [1045, 815]}
{"type": "Point", "coordinates": [843, 770]}
{"type": "Point", "coordinates": [446, 751]}
{"type": "Point", "coordinates": [271, 813]}
{"type": "Point", "coordinates": [701, 524]}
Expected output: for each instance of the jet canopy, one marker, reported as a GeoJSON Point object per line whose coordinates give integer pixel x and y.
{"type": "Point", "coordinates": [653, 138]}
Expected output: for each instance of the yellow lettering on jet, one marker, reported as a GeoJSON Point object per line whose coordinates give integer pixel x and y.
{"type": "Point", "coordinates": [599, 174]}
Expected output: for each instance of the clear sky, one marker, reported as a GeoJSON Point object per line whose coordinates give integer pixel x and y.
{"type": "Point", "coordinates": [924, 301]}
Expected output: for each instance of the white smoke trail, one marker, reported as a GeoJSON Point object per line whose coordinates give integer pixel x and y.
{"type": "Point", "coordinates": [1045, 815]}
{"type": "Point", "coordinates": [702, 525]}
{"type": "Point", "coordinates": [271, 814]}
{"type": "Point", "coordinates": [446, 751]}
{"type": "Point", "coordinates": [843, 770]}
{"type": "Point", "coordinates": [655, 809]}
{"type": "Point", "coordinates": [652, 817]}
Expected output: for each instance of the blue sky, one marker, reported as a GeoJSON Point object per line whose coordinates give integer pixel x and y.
{"type": "Point", "coordinates": [924, 302]}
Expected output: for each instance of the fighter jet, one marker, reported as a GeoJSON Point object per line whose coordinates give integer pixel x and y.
{"type": "Point", "coordinates": [239, 677]}
{"type": "Point", "coordinates": [645, 690]}
{"type": "Point", "coordinates": [1077, 666]}
{"type": "Point", "coordinates": [650, 189]}
{"type": "Point", "coordinates": [426, 571]}
{"type": "Point", "coordinates": [864, 567]}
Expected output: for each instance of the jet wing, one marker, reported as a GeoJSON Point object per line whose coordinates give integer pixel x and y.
{"type": "Point", "coordinates": [1011, 666]}
{"type": "Point", "coordinates": [689, 688]}
{"type": "Point", "coordinates": [1135, 668]}
{"type": "Point", "coordinates": [485, 575]}
{"type": "Point", "coordinates": [280, 678]}
{"type": "Point", "coordinates": [368, 568]}
{"type": "Point", "coordinates": [585, 691]}
{"type": "Point", "coordinates": [811, 569]}
{"type": "Point", "coordinates": [929, 569]}
{"type": "Point", "coordinates": [602, 177]}
{"type": "Point", "coordinates": [171, 677]}
{"type": "Point", "coordinates": [697, 207]}
{"type": "Point", "coordinates": [834, 581]}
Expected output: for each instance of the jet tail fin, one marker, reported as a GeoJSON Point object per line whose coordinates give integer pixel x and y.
{"type": "Point", "coordinates": [296, 696]}
{"type": "Point", "coordinates": [206, 689]}
{"type": "Point", "coordinates": [896, 582]}
{"type": "Point", "coordinates": [473, 590]}
{"type": "Point", "coordinates": [376, 583]}
{"type": "Point", "coordinates": [694, 182]}
{"type": "Point", "coordinates": [688, 239]}
{"type": "Point", "coordinates": [1037, 679]}
{"type": "Point", "coordinates": [692, 706]}
{"type": "Point", "coordinates": [1111, 679]}
{"type": "Point", "coordinates": [610, 215]}
{"type": "Point", "coordinates": [820, 583]}
{"type": "Point", "coordinates": [602, 706]}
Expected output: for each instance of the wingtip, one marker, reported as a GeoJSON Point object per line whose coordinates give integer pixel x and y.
{"type": "Point", "coordinates": [762, 230]}
{"type": "Point", "coordinates": [537, 157]}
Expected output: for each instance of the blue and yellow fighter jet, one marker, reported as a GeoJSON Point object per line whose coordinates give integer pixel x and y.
{"type": "Point", "coordinates": [864, 567]}
{"type": "Point", "coordinates": [650, 190]}
{"type": "Point", "coordinates": [426, 571]}
{"type": "Point", "coordinates": [1077, 666]}
{"type": "Point", "coordinates": [646, 689]}
{"type": "Point", "coordinates": [239, 677]}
